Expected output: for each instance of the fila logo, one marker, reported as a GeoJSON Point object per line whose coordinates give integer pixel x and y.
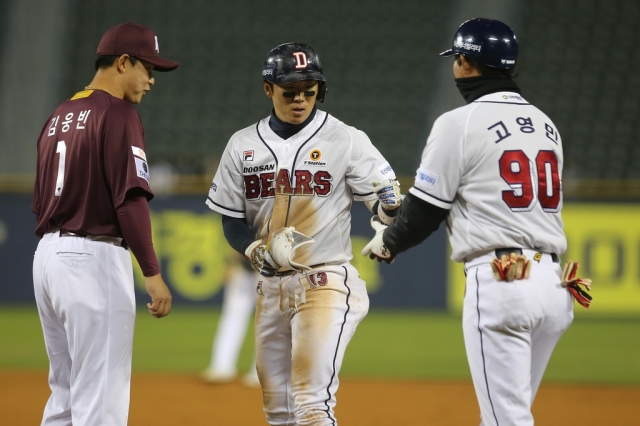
{"type": "Point", "coordinates": [157, 47]}
{"type": "Point", "coordinates": [248, 156]}
{"type": "Point", "coordinates": [301, 60]}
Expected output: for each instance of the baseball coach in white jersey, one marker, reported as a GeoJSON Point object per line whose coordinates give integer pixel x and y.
{"type": "Point", "coordinates": [285, 187]}
{"type": "Point", "coordinates": [493, 170]}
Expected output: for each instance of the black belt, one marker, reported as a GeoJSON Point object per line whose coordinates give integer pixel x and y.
{"type": "Point", "coordinates": [507, 251]}
{"type": "Point", "coordinates": [116, 241]}
{"type": "Point", "coordinates": [295, 271]}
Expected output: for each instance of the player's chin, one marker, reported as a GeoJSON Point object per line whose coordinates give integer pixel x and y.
{"type": "Point", "coordinates": [137, 98]}
{"type": "Point", "coordinates": [298, 115]}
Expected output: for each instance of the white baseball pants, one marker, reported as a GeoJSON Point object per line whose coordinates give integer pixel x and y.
{"type": "Point", "coordinates": [85, 296]}
{"type": "Point", "coordinates": [301, 341]}
{"type": "Point", "coordinates": [510, 331]}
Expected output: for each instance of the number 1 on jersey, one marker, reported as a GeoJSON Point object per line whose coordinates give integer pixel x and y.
{"type": "Point", "coordinates": [62, 150]}
{"type": "Point", "coordinates": [518, 171]}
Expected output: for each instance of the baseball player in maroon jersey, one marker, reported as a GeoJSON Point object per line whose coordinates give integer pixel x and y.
{"type": "Point", "coordinates": [90, 200]}
{"type": "Point", "coordinates": [493, 170]}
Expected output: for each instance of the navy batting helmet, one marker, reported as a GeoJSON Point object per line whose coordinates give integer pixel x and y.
{"type": "Point", "coordinates": [291, 62]}
{"type": "Point", "coordinates": [487, 41]}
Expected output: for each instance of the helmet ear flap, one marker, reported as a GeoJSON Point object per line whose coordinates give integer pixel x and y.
{"type": "Point", "coordinates": [322, 91]}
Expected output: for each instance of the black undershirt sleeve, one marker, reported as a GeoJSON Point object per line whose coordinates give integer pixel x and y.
{"type": "Point", "coordinates": [237, 232]}
{"type": "Point", "coordinates": [416, 220]}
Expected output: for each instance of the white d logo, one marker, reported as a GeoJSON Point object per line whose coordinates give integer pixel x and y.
{"type": "Point", "coordinates": [301, 59]}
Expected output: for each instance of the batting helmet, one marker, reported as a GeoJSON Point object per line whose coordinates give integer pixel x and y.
{"type": "Point", "coordinates": [487, 41]}
{"type": "Point", "coordinates": [291, 62]}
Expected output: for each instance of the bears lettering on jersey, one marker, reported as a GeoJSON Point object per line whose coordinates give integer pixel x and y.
{"type": "Point", "coordinates": [307, 183]}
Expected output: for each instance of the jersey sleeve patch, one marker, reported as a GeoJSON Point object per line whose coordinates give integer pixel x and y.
{"type": "Point", "coordinates": [386, 171]}
{"type": "Point", "coordinates": [139, 152]}
{"type": "Point", "coordinates": [426, 179]}
{"type": "Point", "coordinates": [213, 190]}
{"type": "Point", "coordinates": [142, 169]}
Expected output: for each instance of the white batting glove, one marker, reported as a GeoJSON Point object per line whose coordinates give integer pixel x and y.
{"type": "Point", "coordinates": [376, 248]}
{"type": "Point", "coordinates": [260, 259]}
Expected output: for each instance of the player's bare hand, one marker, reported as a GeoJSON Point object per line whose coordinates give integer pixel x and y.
{"type": "Point", "coordinates": [376, 248]}
{"type": "Point", "coordinates": [160, 305]}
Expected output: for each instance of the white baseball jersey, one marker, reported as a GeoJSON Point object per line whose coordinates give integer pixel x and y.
{"type": "Point", "coordinates": [496, 163]}
{"type": "Point", "coordinates": [322, 168]}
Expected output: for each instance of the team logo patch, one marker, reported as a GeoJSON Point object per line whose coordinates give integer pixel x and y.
{"type": "Point", "coordinates": [315, 155]}
{"type": "Point", "coordinates": [301, 60]}
{"type": "Point", "coordinates": [213, 190]}
{"type": "Point", "coordinates": [142, 169]}
{"type": "Point", "coordinates": [426, 178]}
{"type": "Point", "coordinates": [139, 153]}
{"type": "Point", "coordinates": [259, 288]}
{"type": "Point", "coordinates": [247, 155]}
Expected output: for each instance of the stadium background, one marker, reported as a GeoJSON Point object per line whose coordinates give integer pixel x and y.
{"type": "Point", "coordinates": [577, 64]}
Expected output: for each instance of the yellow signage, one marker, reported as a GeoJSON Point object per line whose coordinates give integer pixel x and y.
{"type": "Point", "coordinates": [605, 239]}
{"type": "Point", "coordinates": [194, 254]}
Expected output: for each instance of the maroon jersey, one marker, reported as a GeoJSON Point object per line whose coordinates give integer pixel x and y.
{"type": "Point", "coordinates": [90, 154]}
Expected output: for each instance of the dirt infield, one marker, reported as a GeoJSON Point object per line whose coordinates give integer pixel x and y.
{"type": "Point", "coordinates": [164, 399]}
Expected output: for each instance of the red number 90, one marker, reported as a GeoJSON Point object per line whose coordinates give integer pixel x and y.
{"type": "Point", "coordinates": [517, 170]}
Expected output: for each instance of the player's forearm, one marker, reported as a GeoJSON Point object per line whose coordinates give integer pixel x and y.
{"type": "Point", "coordinates": [135, 222]}
{"type": "Point", "coordinates": [416, 220]}
{"type": "Point", "coordinates": [237, 232]}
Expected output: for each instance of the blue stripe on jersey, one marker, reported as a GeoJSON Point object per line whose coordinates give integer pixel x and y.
{"type": "Point", "coordinates": [265, 144]}
{"type": "Point", "coordinates": [484, 364]}
{"type": "Point", "coordinates": [333, 374]}
{"type": "Point", "coordinates": [432, 196]}
{"type": "Point", "coordinates": [363, 195]}
{"type": "Point", "coordinates": [226, 208]}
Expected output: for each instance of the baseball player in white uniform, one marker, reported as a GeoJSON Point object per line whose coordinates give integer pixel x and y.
{"type": "Point", "coordinates": [238, 305]}
{"type": "Point", "coordinates": [493, 170]}
{"type": "Point", "coordinates": [285, 186]}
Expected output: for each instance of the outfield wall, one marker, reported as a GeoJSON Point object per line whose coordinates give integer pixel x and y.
{"type": "Point", "coordinates": [605, 239]}
{"type": "Point", "coordinates": [190, 245]}
{"type": "Point", "coordinates": [188, 238]}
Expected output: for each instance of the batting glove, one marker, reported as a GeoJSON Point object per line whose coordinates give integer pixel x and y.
{"type": "Point", "coordinates": [260, 259]}
{"type": "Point", "coordinates": [376, 248]}
{"type": "Point", "coordinates": [512, 267]}
{"type": "Point", "coordinates": [571, 283]}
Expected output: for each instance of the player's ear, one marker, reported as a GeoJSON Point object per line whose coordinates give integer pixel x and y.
{"type": "Point", "coordinates": [268, 89]}
{"type": "Point", "coordinates": [121, 62]}
{"type": "Point", "coordinates": [468, 68]}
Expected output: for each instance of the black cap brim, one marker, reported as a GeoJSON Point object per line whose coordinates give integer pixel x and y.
{"type": "Point", "coordinates": [447, 53]}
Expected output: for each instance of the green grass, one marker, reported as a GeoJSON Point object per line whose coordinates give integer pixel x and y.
{"type": "Point", "coordinates": [391, 344]}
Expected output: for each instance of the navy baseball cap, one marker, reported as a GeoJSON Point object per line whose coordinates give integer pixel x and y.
{"type": "Point", "coordinates": [137, 41]}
